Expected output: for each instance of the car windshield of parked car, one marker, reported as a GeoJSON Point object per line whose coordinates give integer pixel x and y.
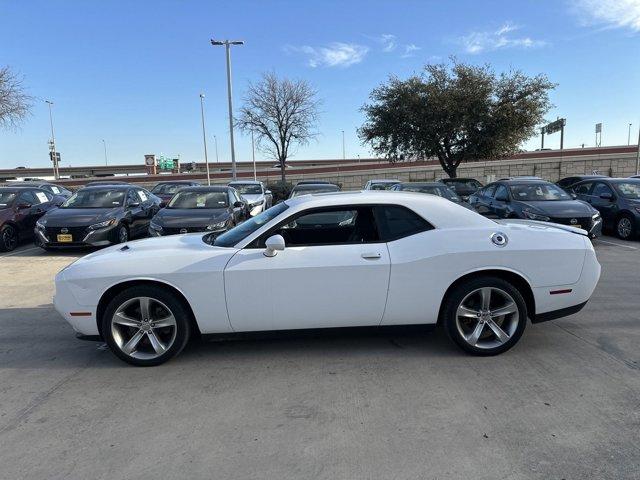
{"type": "Point", "coordinates": [382, 186]}
{"type": "Point", "coordinates": [538, 192]}
{"type": "Point", "coordinates": [95, 199]}
{"type": "Point", "coordinates": [167, 188]}
{"type": "Point", "coordinates": [248, 188]}
{"type": "Point", "coordinates": [189, 200]}
{"type": "Point", "coordinates": [6, 199]}
{"type": "Point", "coordinates": [629, 189]}
{"type": "Point", "coordinates": [236, 234]}
{"type": "Point", "coordinates": [463, 182]}
{"type": "Point", "coordinates": [432, 190]}
{"type": "Point", "coordinates": [306, 190]}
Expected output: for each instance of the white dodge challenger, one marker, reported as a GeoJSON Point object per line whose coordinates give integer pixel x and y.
{"type": "Point", "coordinates": [332, 260]}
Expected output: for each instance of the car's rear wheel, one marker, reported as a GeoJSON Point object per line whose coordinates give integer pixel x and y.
{"type": "Point", "coordinates": [8, 238]}
{"type": "Point", "coordinates": [122, 234]}
{"type": "Point", "coordinates": [484, 315]}
{"type": "Point", "coordinates": [625, 228]}
{"type": "Point", "coordinates": [146, 325]}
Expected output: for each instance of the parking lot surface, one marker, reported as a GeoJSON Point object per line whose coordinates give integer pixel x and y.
{"type": "Point", "coordinates": [563, 403]}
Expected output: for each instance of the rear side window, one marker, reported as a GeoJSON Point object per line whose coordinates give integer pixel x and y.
{"type": "Point", "coordinates": [600, 189]}
{"type": "Point", "coordinates": [583, 188]}
{"type": "Point", "coordinates": [488, 192]}
{"type": "Point", "coordinates": [396, 222]}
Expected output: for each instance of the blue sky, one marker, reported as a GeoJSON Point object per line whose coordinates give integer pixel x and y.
{"type": "Point", "coordinates": [131, 71]}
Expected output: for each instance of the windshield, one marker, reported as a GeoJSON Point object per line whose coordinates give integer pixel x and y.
{"type": "Point", "coordinates": [314, 189]}
{"type": "Point", "coordinates": [538, 192]}
{"type": "Point", "coordinates": [247, 188]}
{"type": "Point", "coordinates": [460, 182]}
{"type": "Point", "coordinates": [168, 188]}
{"type": "Point", "coordinates": [6, 199]}
{"type": "Point", "coordinates": [629, 189]}
{"type": "Point", "coordinates": [382, 185]}
{"type": "Point", "coordinates": [199, 200]}
{"type": "Point", "coordinates": [432, 190]}
{"type": "Point", "coordinates": [95, 199]}
{"type": "Point", "coordinates": [236, 234]}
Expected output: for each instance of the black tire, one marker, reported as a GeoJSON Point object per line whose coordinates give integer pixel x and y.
{"type": "Point", "coordinates": [625, 227]}
{"type": "Point", "coordinates": [8, 238]}
{"type": "Point", "coordinates": [175, 305]}
{"type": "Point", "coordinates": [121, 234]}
{"type": "Point", "coordinates": [466, 289]}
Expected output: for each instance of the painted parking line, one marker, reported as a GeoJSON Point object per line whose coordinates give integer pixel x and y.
{"type": "Point", "coordinates": [19, 251]}
{"type": "Point", "coordinates": [617, 244]}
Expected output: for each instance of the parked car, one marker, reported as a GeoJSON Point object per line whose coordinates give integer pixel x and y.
{"type": "Point", "coordinates": [567, 183]}
{"type": "Point", "coordinates": [98, 216]}
{"type": "Point", "coordinates": [308, 188]}
{"type": "Point", "coordinates": [312, 182]}
{"type": "Point", "coordinates": [166, 190]}
{"type": "Point", "coordinates": [52, 188]}
{"type": "Point", "coordinates": [617, 200]}
{"type": "Point", "coordinates": [462, 186]}
{"type": "Point", "coordinates": [634, 176]}
{"type": "Point", "coordinates": [200, 209]}
{"type": "Point", "coordinates": [256, 195]}
{"type": "Point", "coordinates": [348, 260]}
{"type": "Point", "coordinates": [105, 182]}
{"type": "Point", "coordinates": [431, 188]}
{"type": "Point", "coordinates": [380, 184]}
{"type": "Point", "coordinates": [536, 200]}
{"type": "Point", "coordinates": [20, 208]}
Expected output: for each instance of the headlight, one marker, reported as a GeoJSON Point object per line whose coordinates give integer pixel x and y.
{"type": "Point", "coordinates": [595, 216]}
{"type": "Point", "coordinates": [217, 226]}
{"type": "Point", "coordinates": [259, 202]}
{"type": "Point", "coordinates": [104, 224]}
{"type": "Point", "coordinates": [155, 226]}
{"type": "Point", "coordinates": [535, 216]}
{"type": "Point", "coordinates": [41, 224]}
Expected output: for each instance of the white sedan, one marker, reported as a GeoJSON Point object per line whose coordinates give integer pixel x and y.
{"type": "Point", "coordinates": [332, 260]}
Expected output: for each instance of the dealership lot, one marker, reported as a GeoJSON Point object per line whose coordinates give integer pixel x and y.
{"type": "Point", "coordinates": [563, 403]}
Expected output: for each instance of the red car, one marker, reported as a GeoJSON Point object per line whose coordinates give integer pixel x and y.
{"type": "Point", "coordinates": [166, 190]}
{"type": "Point", "coordinates": [20, 209]}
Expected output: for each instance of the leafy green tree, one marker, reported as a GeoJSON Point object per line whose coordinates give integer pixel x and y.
{"type": "Point", "coordinates": [455, 113]}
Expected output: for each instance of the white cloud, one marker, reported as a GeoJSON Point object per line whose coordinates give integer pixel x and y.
{"type": "Point", "coordinates": [478, 42]}
{"type": "Point", "coordinates": [611, 13]}
{"type": "Point", "coordinates": [409, 50]}
{"type": "Point", "coordinates": [388, 42]}
{"type": "Point", "coordinates": [336, 54]}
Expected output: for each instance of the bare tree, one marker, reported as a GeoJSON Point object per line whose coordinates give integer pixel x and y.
{"type": "Point", "coordinates": [15, 104]}
{"type": "Point", "coordinates": [282, 114]}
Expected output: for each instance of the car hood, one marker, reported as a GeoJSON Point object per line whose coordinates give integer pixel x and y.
{"type": "Point", "coordinates": [192, 217]}
{"type": "Point", "coordinates": [79, 217]}
{"type": "Point", "coordinates": [560, 208]}
{"type": "Point", "coordinates": [252, 198]}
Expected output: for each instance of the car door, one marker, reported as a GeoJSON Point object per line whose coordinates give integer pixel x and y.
{"type": "Point", "coordinates": [603, 199]}
{"type": "Point", "coordinates": [582, 191]}
{"type": "Point", "coordinates": [484, 199]}
{"type": "Point", "coordinates": [149, 209]}
{"type": "Point", "coordinates": [31, 204]}
{"type": "Point", "coordinates": [239, 212]}
{"type": "Point", "coordinates": [135, 213]}
{"type": "Point", "coordinates": [333, 272]}
{"type": "Point", "coordinates": [500, 203]}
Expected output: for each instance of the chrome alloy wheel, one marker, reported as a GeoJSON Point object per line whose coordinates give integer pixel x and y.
{"type": "Point", "coordinates": [624, 227]}
{"type": "Point", "coordinates": [143, 328]}
{"type": "Point", "coordinates": [487, 317]}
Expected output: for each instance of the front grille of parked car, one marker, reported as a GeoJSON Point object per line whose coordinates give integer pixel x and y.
{"type": "Point", "coordinates": [78, 233]}
{"type": "Point", "coordinates": [584, 222]}
{"type": "Point", "coordinates": [174, 231]}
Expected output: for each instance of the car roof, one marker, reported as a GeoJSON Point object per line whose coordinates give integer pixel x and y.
{"type": "Point", "coordinates": [205, 188]}
{"type": "Point", "coordinates": [115, 186]}
{"type": "Point", "coordinates": [245, 182]}
{"type": "Point", "coordinates": [384, 180]}
{"type": "Point", "coordinates": [19, 187]}
{"type": "Point", "coordinates": [426, 184]}
{"type": "Point", "coordinates": [310, 186]}
{"type": "Point", "coordinates": [458, 179]}
{"type": "Point", "coordinates": [619, 179]}
{"type": "Point", "coordinates": [170, 182]}
{"type": "Point", "coordinates": [441, 212]}
{"type": "Point", "coordinates": [521, 181]}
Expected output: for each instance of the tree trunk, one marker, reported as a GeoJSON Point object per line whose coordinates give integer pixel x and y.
{"type": "Point", "coordinates": [449, 168]}
{"type": "Point", "coordinates": [282, 174]}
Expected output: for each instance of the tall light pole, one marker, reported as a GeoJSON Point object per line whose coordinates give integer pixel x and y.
{"type": "Point", "coordinates": [629, 136]}
{"type": "Point", "coordinates": [638, 155]}
{"type": "Point", "coordinates": [105, 152]}
{"type": "Point", "coordinates": [215, 139]}
{"type": "Point", "coordinates": [54, 157]}
{"type": "Point", "coordinates": [343, 150]}
{"type": "Point", "coordinates": [253, 155]}
{"type": "Point", "coordinates": [227, 44]}
{"type": "Point", "coordinates": [204, 138]}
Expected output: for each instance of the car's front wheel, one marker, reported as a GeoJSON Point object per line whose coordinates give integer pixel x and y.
{"type": "Point", "coordinates": [8, 238]}
{"type": "Point", "coordinates": [146, 325]}
{"type": "Point", "coordinates": [625, 228]}
{"type": "Point", "coordinates": [484, 315]}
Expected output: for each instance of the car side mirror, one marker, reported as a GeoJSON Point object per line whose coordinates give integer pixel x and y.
{"type": "Point", "coordinates": [606, 196]}
{"type": "Point", "coordinates": [573, 195]}
{"type": "Point", "coordinates": [23, 206]}
{"type": "Point", "coordinates": [273, 244]}
{"type": "Point", "coordinates": [267, 192]}
{"type": "Point", "coordinates": [238, 204]}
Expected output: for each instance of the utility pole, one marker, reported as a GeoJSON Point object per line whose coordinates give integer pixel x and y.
{"type": "Point", "coordinates": [343, 150]}
{"type": "Point", "coordinates": [629, 135]}
{"type": "Point", "coordinates": [215, 139]}
{"type": "Point", "coordinates": [227, 44]}
{"type": "Point", "coordinates": [253, 153]}
{"type": "Point", "coordinates": [638, 155]}
{"type": "Point", "coordinates": [54, 155]}
{"type": "Point", "coordinates": [204, 138]}
{"type": "Point", "coordinates": [105, 152]}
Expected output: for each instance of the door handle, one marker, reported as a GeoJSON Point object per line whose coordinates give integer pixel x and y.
{"type": "Point", "coordinates": [371, 256]}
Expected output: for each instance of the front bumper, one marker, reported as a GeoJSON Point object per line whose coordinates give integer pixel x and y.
{"type": "Point", "coordinates": [80, 237]}
{"type": "Point", "coordinates": [82, 318]}
{"type": "Point", "coordinates": [182, 230]}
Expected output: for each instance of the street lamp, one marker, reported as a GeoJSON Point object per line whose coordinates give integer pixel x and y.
{"type": "Point", "coordinates": [227, 44]}
{"type": "Point", "coordinates": [343, 151]}
{"type": "Point", "coordinates": [215, 139]}
{"type": "Point", "coordinates": [204, 138]}
{"type": "Point", "coordinates": [629, 135]}
{"type": "Point", "coordinates": [54, 157]}
{"type": "Point", "coordinates": [105, 152]}
{"type": "Point", "coordinates": [253, 155]}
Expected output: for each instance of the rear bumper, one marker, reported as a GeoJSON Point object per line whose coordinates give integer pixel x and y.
{"type": "Point", "coordinates": [554, 314]}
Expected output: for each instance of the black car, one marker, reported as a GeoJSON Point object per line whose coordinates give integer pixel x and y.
{"type": "Point", "coordinates": [462, 186]}
{"type": "Point", "coordinates": [200, 209]}
{"type": "Point", "coordinates": [309, 188]}
{"type": "Point", "coordinates": [617, 200]}
{"type": "Point", "coordinates": [20, 208]}
{"type": "Point", "coordinates": [166, 190]}
{"type": "Point", "coordinates": [567, 183]}
{"type": "Point", "coordinates": [431, 188]}
{"type": "Point", "coordinates": [536, 200]}
{"type": "Point", "coordinates": [97, 216]}
{"type": "Point", "coordinates": [52, 188]}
